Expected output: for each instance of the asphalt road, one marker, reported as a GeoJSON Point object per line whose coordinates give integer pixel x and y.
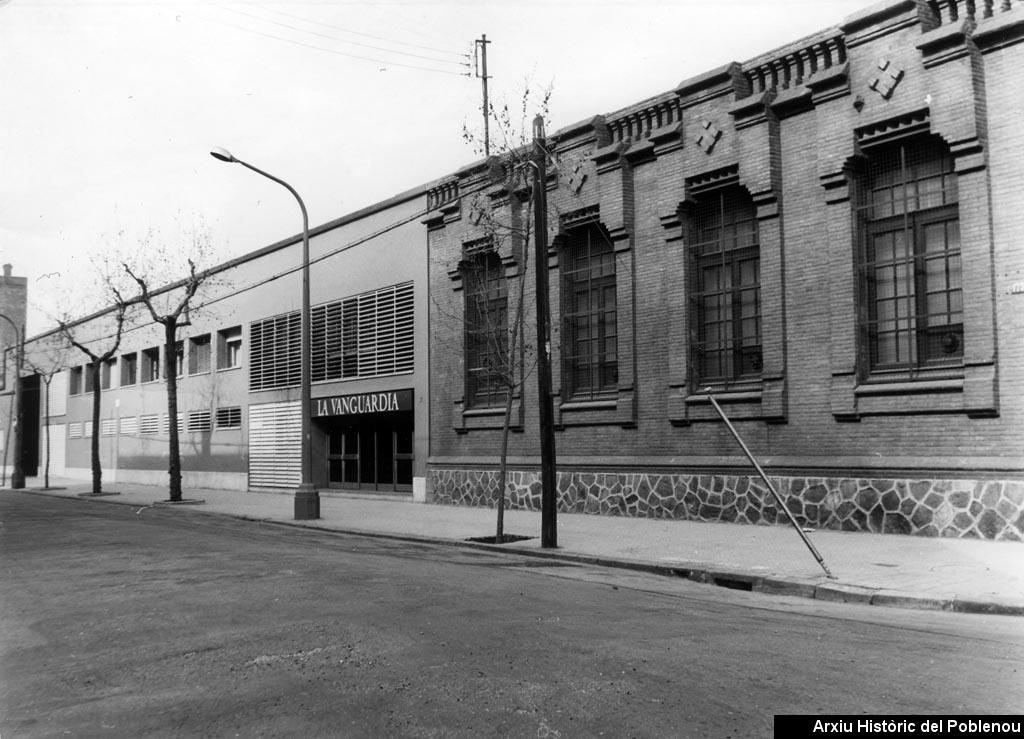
{"type": "Point", "coordinates": [119, 621]}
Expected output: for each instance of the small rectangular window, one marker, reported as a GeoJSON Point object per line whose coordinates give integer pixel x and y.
{"type": "Point", "coordinates": [151, 364]}
{"type": "Point", "coordinates": [199, 354]}
{"type": "Point", "coordinates": [229, 348]}
{"type": "Point", "coordinates": [229, 418]}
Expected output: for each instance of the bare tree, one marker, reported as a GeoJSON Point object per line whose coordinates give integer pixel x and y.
{"type": "Point", "coordinates": [498, 345]}
{"type": "Point", "coordinates": [109, 337]}
{"type": "Point", "coordinates": [46, 360]}
{"type": "Point", "coordinates": [170, 304]}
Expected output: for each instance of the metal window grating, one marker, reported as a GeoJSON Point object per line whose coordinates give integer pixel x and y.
{"type": "Point", "coordinates": [275, 352]}
{"type": "Point", "coordinates": [367, 335]}
{"type": "Point", "coordinates": [229, 418]}
{"type": "Point", "coordinates": [199, 420]}
{"type": "Point", "coordinates": [275, 437]}
{"type": "Point", "coordinates": [149, 424]}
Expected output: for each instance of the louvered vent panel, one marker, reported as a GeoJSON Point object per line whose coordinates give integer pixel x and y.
{"type": "Point", "coordinates": [275, 438]}
{"type": "Point", "coordinates": [367, 335]}
{"type": "Point", "coordinates": [275, 352]}
{"type": "Point", "coordinates": [58, 443]}
{"type": "Point", "coordinates": [129, 425]}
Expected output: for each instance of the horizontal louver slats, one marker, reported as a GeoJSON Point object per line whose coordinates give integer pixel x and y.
{"type": "Point", "coordinates": [368, 335]}
{"type": "Point", "coordinates": [275, 439]}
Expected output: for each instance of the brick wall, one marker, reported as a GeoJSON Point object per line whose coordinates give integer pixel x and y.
{"type": "Point", "coordinates": [810, 416]}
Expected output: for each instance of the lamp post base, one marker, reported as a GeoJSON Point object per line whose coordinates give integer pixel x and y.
{"type": "Point", "coordinates": [307, 503]}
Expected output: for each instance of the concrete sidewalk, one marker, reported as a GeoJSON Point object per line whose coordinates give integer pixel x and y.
{"type": "Point", "coordinates": [965, 575]}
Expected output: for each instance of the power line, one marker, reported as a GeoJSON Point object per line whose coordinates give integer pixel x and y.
{"type": "Point", "coordinates": [368, 35]}
{"type": "Point", "coordinates": [267, 280]}
{"type": "Point", "coordinates": [339, 53]}
{"type": "Point", "coordinates": [352, 43]}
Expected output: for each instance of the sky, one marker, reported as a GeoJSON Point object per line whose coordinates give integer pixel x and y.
{"type": "Point", "coordinates": [109, 108]}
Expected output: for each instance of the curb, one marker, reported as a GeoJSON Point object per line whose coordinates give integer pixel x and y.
{"type": "Point", "coordinates": [772, 584]}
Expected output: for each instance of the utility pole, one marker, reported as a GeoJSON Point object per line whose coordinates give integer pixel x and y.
{"type": "Point", "coordinates": [481, 72]}
{"type": "Point", "coordinates": [549, 492]}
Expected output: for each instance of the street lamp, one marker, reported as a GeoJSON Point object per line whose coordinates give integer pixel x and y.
{"type": "Point", "coordinates": [307, 498]}
{"type": "Point", "coordinates": [17, 473]}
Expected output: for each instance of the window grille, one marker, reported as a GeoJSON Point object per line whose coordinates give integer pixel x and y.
{"type": "Point", "coordinates": [149, 424]}
{"type": "Point", "coordinates": [275, 352]}
{"type": "Point", "coordinates": [725, 287]}
{"type": "Point", "coordinates": [486, 331]}
{"type": "Point", "coordinates": [199, 349]}
{"type": "Point", "coordinates": [590, 337]}
{"type": "Point", "coordinates": [199, 421]}
{"type": "Point", "coordinates": [229, 418]}
{"type": "Point", "coordinates": [366, 335]}
{"type": "Point", "coordinates": [909, 258]}
{"type": "Point", "coordinates": [275, 442]}
{"type": "Point", "coordinates": [129, 426]}
{"type": "Point", "coordinates": [165, 425]}
{"type": "Point", "coordinates": [56, 396]}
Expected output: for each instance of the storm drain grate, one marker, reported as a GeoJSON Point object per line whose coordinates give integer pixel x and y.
{"type": "Point", "coordinates": [733, 583]}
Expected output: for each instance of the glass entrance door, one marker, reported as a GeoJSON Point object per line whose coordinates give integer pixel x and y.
{"type": "Point", "coordinates": [372, 452]}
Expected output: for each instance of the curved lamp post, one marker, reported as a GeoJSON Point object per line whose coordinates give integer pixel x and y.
{"type": "Point", "coordinates": [17, 473]}
{"type": "Point", "coordinates": [307, 498]}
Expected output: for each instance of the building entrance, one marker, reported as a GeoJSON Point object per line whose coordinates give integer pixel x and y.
{"type": "Point", "coordinates": [371, 452]}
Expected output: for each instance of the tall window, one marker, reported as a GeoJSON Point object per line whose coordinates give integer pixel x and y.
{"type": "Point", "coordinates": [229, 348]}
{"type": "Point", "coordinates": [75, 381]}
{"type": "Point", "coordinates": [179, 358]}
{"type": "Point", "coordinates": [129, 369]}
{"type": "Point", "coordinates": [487, 361]}
{"type": "Point", "coordinates": [911, 293]}
{"type": "Point", "coordinates": [107, 373]}
{"type": "Point", "coordinates": [725, 287]}
{"type": "Point", "coordinates": [151, 364]}
{"type": "Point", "coordinates": [199, 354]}
{"type": "Point", "coordinates": [590, 338]}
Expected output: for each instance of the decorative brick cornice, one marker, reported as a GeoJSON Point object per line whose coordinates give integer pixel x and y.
{"type": "Point", "coordinates": [725, 80]}
{"type": "Point", "coordinates": [881, 20]}
{"type": "Point", "coordinates": [884, 131]}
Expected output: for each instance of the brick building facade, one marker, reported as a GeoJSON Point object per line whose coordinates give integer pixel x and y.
{"type": "Point", "coordinates": [827, 236]}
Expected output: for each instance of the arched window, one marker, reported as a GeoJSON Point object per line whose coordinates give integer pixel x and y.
{"type": "Point", "coordinates": [488, 367]}
{"type": "Point", "coordinates": [725, 287]}
{"type": "Point", "coordinates": [909, 258]}
{"type": "Point", "coordinates": [590, 338]}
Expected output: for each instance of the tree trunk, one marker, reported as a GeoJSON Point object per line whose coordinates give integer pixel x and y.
{"type": "Point", "coordinates": [511, 385]}
{"type": "Point", "coordinates": [97, 470]}
{"type": "Point", "coordinates": [46, 415]}
{"type": "Point", "coordinates": [174, 452]}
